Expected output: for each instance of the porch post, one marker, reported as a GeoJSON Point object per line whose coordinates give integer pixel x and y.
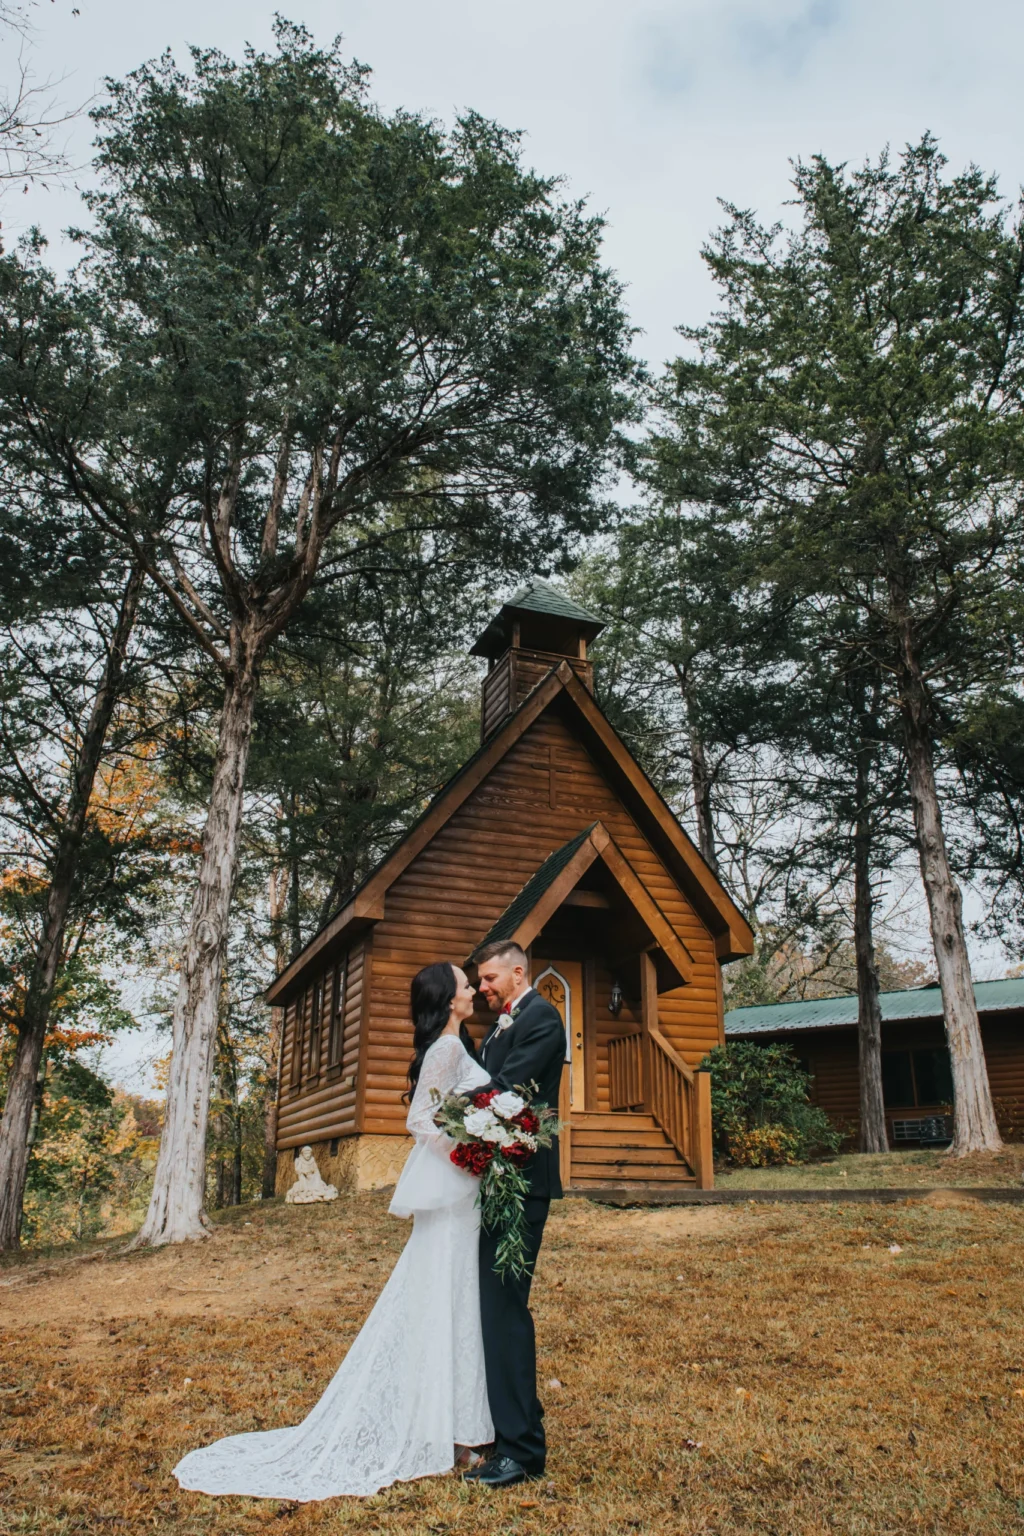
{"type": "Point", "coordinates": [704, 1159]}
{"type": "Point", "coordinates": [649, 1018]}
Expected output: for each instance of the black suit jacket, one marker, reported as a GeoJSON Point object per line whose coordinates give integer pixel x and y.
{"type": "Point", "coordinates": [532, 1050]}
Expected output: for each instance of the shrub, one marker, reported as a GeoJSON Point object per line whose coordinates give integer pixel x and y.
{"type": "Point", "coordinates": [763, 1145]}
{"type": "Point", "coordinates": [760, 1106]}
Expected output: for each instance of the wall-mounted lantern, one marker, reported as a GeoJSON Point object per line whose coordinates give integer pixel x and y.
{"type": "Point", "coordinates": [615, 1001]}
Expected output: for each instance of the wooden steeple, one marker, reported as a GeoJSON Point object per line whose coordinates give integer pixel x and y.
{"type": "Point", "coordinates": [530, 634]}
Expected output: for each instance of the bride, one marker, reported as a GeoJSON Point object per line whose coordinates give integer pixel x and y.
{"type": "Point", "coordinates": [410, 1396]}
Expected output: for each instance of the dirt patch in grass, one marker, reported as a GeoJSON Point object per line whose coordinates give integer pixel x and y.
{"type": "Point", "coordinates": [891, 1170]}
{"type": "Point", "coordinates": [769, 1369]}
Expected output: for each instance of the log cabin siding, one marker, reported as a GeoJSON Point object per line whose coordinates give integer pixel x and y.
{"type": "Point", "coordinates": [318, 1093]}
{"type": "Point", "coordinates": [543, 792]}
{"type": "Point", "coordinates": [831, 1057]}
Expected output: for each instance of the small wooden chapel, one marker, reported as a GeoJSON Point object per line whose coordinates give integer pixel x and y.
{"type": "Point", "coordinates": [552, 835]}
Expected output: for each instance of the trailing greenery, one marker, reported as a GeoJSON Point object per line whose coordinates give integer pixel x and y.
{"type": "Point", "coordinates": [760, 1106]}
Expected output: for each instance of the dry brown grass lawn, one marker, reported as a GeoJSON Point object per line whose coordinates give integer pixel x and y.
{"type": "Point", "coordinates": [769, 1369]}
{"type": "Point", "coordinates": [922, 1168]}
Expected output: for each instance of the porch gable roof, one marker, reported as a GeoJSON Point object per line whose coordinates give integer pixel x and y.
{"type": "Point", "coordinates": [561, 871]}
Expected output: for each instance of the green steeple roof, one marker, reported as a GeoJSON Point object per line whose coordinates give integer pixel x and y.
{"type": "Point", "coordinates": [541, 599]}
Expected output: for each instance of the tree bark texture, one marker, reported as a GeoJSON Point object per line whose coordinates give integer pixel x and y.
{"type": "Point", "coordinates": [974, 1120]}
{"type": "Point", "coordinates": [277, 907]}
{"type": "Point", "coordinates": [176, 1211]}
{"type": "Point", "coordinates": [873, 1133]}
{"type": "Point", "coordinates": [22, 1088]}
{"type": "Point", "coordinates": [270, 1105]}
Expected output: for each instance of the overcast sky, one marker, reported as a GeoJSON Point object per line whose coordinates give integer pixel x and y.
{"type": "Point", "coordinates": [650, 110]}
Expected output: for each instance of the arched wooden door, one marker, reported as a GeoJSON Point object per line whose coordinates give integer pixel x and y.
{"type": "Point", "coordinates": [561, 983]}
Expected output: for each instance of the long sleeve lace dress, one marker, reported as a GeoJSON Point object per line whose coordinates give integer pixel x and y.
{"type": "Point", "coordinates": [412, 1385]}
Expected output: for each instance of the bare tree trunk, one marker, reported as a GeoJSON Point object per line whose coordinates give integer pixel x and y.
{"type": "Point", "coordinates": [217, 1133]}
{"type": "Point", "coordinates": [236, 1161]}
{"type": "Point", "coordinates": [974, 1121]}
{"type": "Point", "coordinates": [276, 904]}
{"type": "Point", "coordinates": [17, 1119]}
{"type": "Point", "coordinates": [176, 1211]}
{"type": "Point", "coordinates": [873, 1133]}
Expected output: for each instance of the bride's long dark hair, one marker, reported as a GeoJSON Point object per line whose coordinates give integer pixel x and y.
{"type": "Point", "coordinates": [430, 1003]}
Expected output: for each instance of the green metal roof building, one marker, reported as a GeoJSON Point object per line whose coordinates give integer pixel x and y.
{"type": "Point", "coordinates": [916, 1076]}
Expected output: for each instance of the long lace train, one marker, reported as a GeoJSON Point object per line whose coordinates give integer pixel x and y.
{"type": "Point", "coordinates": [411, 1386]}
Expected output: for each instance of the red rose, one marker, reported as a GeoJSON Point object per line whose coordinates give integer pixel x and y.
{"type": "Point", "coordinates": [516, 1154]}
{"type": "Point", "coordinates": [527, 1121]}
{"type": "Point", "coordinates": [481, 1100]}
{"type": "Point", "coordinates": [473, 1156]}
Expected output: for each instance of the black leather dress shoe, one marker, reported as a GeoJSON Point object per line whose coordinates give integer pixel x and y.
{"type": "Point", "coordinates": [501, 1472]}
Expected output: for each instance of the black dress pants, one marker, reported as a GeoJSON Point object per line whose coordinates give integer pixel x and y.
{"type": "Point", "coordinates": [510, 1353]}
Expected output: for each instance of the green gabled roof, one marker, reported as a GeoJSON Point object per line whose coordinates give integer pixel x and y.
{"type": "Point", "coordinates": [539, 597]}
{"type": "Point", "coordinates": [841, 1012]}
{"type": "Point", "coordinates": [522, 905]}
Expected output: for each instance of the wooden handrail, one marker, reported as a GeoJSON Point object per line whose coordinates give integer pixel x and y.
{"type": "Point", "coordinates": [645, 1069]}
{"type": "Point", "coordinates": [625, 1071]}
{"type": "Point", "coordinates": [672, 1054]}
{"type": "Point", "coordinates": [680, 1101]}
{"type": "Point", "coordinates": [670, 1095]}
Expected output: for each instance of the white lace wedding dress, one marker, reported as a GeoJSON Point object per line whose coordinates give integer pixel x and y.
{"type": "Point", "coordinates": [412, 1385]}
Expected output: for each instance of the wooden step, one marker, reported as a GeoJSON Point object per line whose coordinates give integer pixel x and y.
{"type": "Point", "coordinates": [624, 1149]}
{"type": "Point", "coordinates": [639, 1156]}
{"type": "Point", "coordinates": [637, 1173]}
{"type": "Point", "coordinates": [625, 1138]}
{"type": "Point", "coordinates": [620, 1120]}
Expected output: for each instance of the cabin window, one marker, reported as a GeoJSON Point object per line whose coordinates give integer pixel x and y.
{"type": "Point", "coordinates": [336, 1027]}
{"type": "Point", "coordinates": [910, 1078]}
{"type": "Point", "coordinates": [933, 1076]}
{"type": "Point", "coordinates": [316, 1008]}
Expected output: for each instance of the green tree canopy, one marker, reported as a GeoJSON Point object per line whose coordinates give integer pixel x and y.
{"type": "Point", "coordinates": [854, 413]}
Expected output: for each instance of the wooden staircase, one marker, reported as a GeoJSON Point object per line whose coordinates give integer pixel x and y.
{"type": "Point", "coordinates": [623, 1148]}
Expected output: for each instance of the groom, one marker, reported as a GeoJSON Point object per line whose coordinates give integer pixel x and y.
{"type": "Point", "coordinates": [526, 1045]}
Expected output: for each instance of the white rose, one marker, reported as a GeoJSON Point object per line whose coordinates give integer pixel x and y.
{"type": "Point", "coordinates": [497, 1134]}
{"type": "Point", "coordinates": [507, 1105]}
{"type": "Point", "coordinates": [479, 1121]}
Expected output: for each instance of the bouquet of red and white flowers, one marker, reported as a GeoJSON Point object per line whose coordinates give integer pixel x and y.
{"type": "Point", "coordinates": [495, 1133]}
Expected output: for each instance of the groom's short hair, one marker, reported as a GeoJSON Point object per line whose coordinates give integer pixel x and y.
{"type": "Point", "coordinates": [503, 949]}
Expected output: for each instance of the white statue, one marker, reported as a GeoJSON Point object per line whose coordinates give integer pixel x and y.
{"type": "Point", "coordinates": [309, 1187]}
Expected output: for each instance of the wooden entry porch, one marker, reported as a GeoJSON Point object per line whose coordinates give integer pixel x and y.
{"type": "Point", "coordinates": [657, 1128]}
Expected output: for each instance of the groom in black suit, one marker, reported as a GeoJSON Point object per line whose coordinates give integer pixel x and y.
{"type": "Point", "coordinates": [526, 1045]}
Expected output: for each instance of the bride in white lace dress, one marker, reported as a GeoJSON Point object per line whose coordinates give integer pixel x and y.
{"type": "Point", "coordinates": [411, 1392]}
